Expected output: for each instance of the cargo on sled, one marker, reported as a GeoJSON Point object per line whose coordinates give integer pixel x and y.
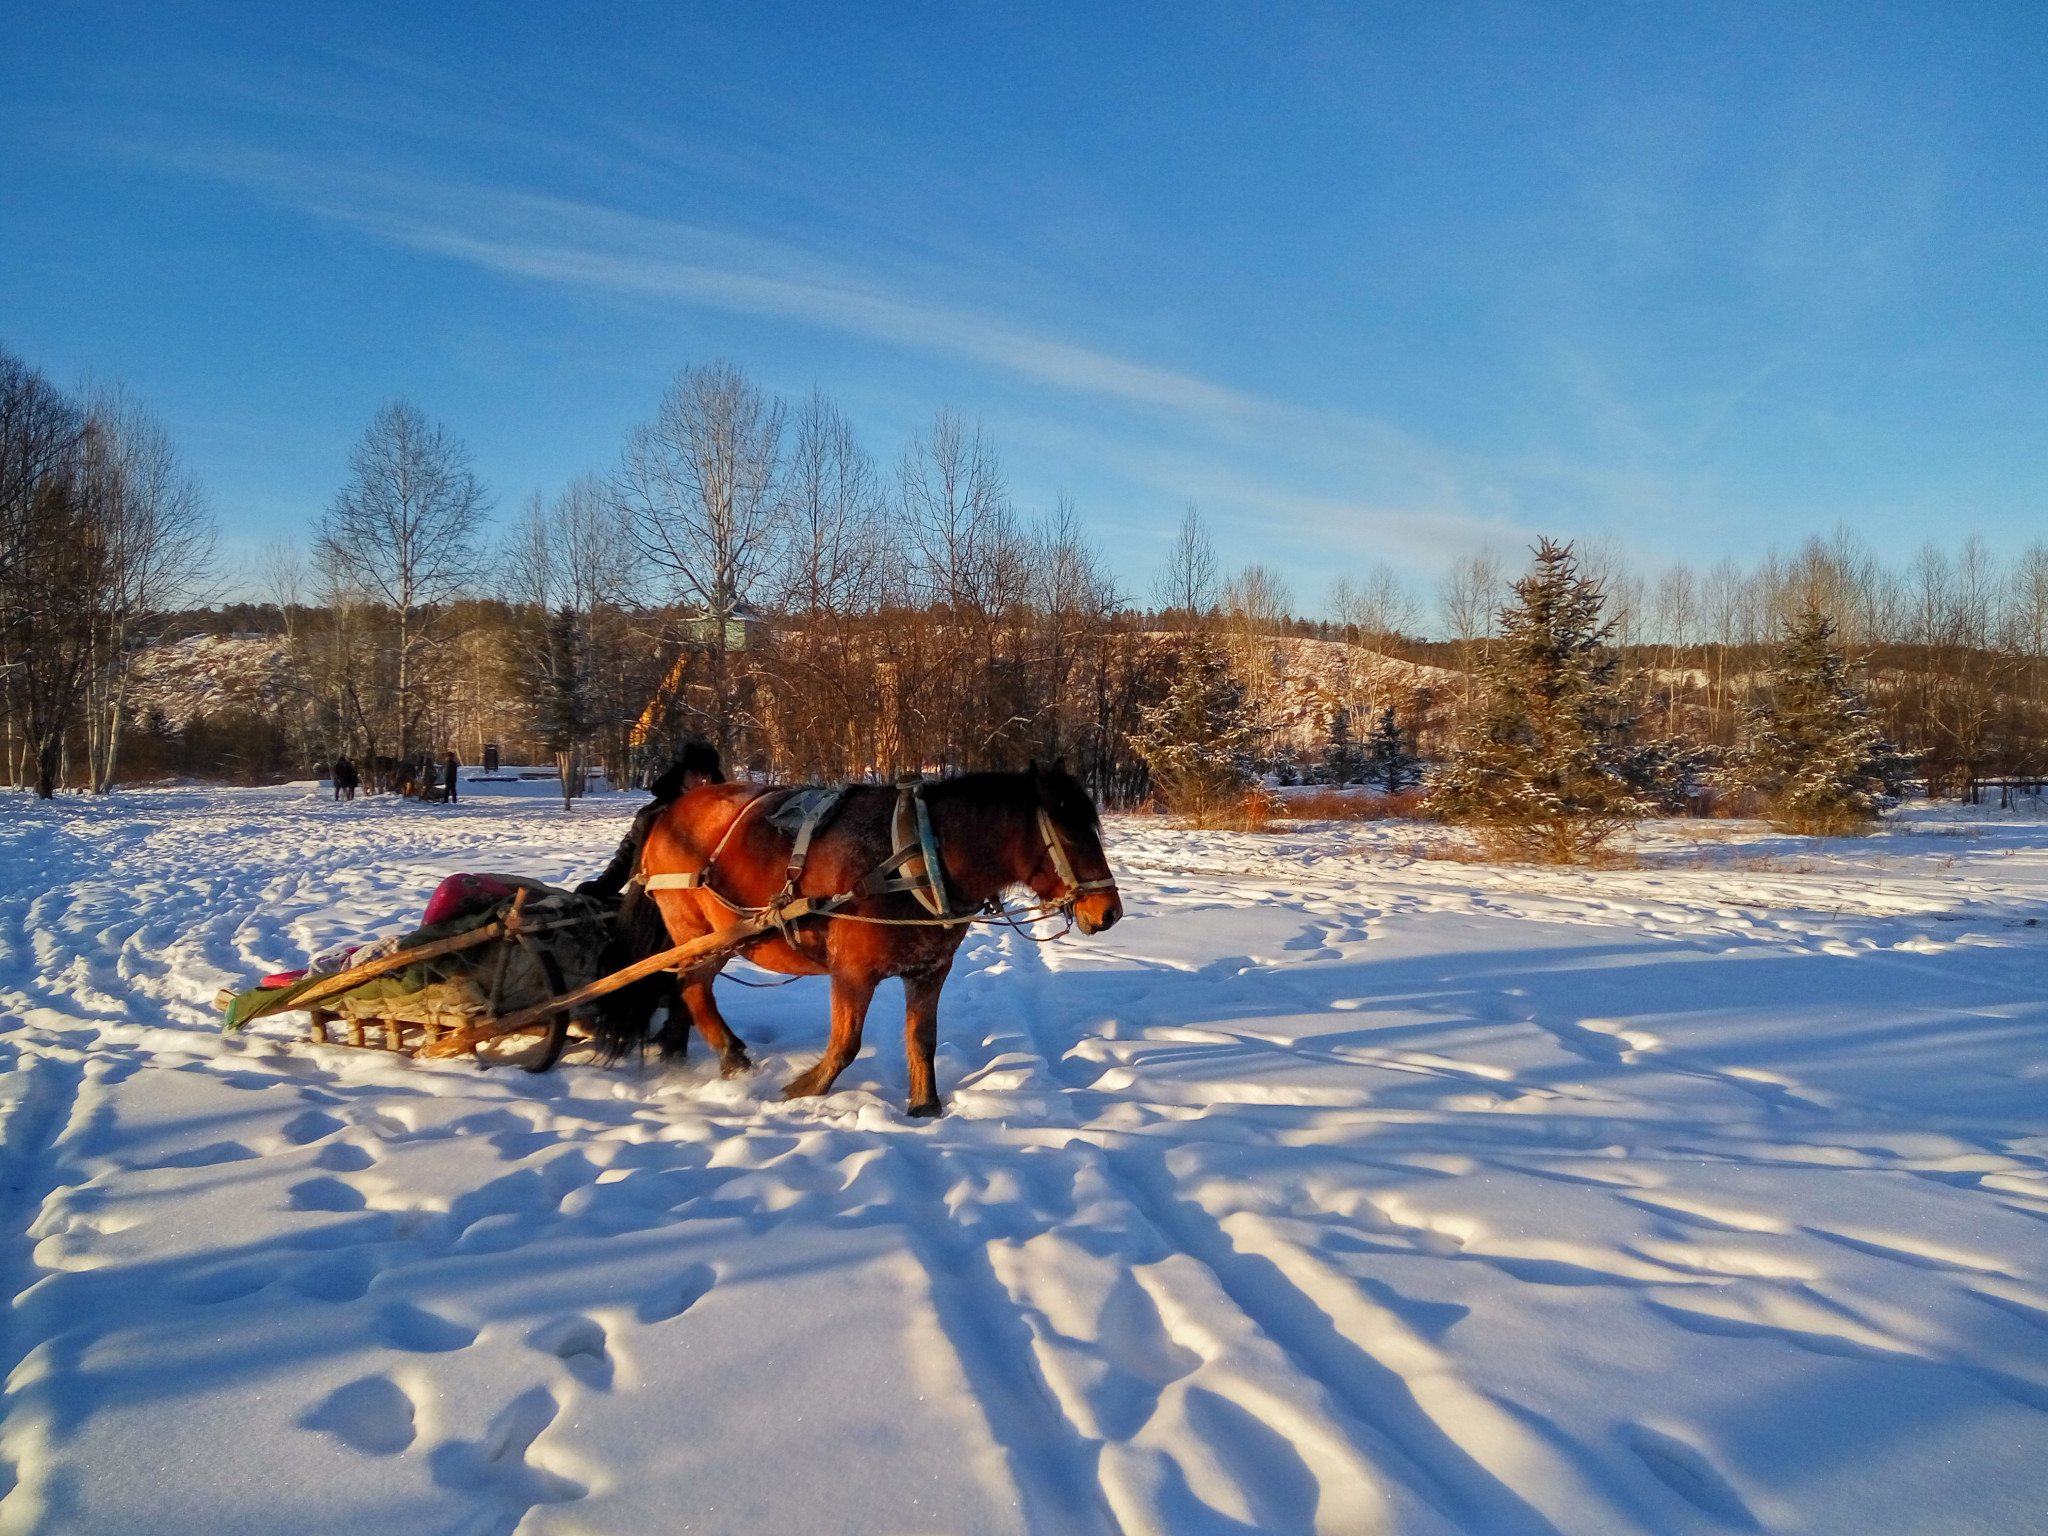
{"type": "Point", "coordinates": [500, 965]}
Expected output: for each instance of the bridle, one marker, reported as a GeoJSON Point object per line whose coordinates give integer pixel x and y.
{"type": "Point", "coordinates": [1063, 866]}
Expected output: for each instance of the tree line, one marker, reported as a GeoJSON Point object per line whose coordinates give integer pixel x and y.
{"type": "Point", "coordinates": [746, 571]}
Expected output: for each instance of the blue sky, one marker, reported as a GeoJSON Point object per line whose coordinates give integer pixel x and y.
{"type": "Point", "coordinates": [1366, 282]}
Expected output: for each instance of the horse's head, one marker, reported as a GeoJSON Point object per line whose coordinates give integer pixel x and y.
{"type": "Point", "coordinates": [1072, 871]}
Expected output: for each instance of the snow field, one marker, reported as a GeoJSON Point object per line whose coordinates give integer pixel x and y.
{"type": "Point", "coordinates": [1334, 1191]}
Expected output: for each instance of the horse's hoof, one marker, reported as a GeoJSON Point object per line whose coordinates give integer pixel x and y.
{"type": "Point", "coordinates": [800, 1089]}
{"type": "Point", "coordinates": [735, 1064]}
{"type": "Point", "coordinates": [931, 1109]}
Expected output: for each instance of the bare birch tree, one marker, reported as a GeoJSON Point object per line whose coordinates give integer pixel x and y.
{"type": "Point", "coordinates": [1191, 580]}
{"type": "Point", "coordinates": [159, 546]}
{"type": "Point", "coordinates": [403, 533]}
{"type": "Point", "coordinates": [1469, 597]}
{"type": "Point", "coordinates": [1380, 607]}
{"type": "Point", "coordinates": [702, 485]}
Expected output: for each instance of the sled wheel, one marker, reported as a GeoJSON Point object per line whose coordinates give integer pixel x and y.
{"type": "Point", "coordinates": [535, 1049]}
{"type": "Point", "coordinates": [551, 1046]}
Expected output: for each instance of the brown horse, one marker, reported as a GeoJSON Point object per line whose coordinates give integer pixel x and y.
{"type": "Point", "coordinates": [991, 837]}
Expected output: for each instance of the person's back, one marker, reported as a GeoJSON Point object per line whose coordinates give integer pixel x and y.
{"type": "Point", "coordinates": [449, 765]}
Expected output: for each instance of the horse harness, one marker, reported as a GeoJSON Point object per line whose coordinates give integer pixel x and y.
{"type": "Point", "coordinates": [913, 867]}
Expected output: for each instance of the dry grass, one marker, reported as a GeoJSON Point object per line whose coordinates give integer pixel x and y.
{"type": "Point", "coordinates": [1582, 840]}
{"type": "Point", "coordinates": [1251, 811]}
{"type": "Point", "coordinates": [1443, 847]}
{"type": "Point", "coordinates": [1336, 805]}
{"type": "Point", "coordinates": [1717, 834]}
{"type": "Point", "coordinates": [1824, 826]}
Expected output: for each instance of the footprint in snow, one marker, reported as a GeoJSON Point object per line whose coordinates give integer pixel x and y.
{"type": "Point", "coordinates": [404, 1326]}
{"type": "Point", "coordinates": [580, 1343]}
{"type": "Point", "coordinates": [373, 1416]}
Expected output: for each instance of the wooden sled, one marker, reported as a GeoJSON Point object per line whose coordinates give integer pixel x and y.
{"type": "Point", "coordinates": [457, 1018]}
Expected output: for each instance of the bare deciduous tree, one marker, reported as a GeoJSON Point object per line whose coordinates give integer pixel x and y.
{"type": "Point", "coordinates": [159, 545]}
{"type": "Point", "coordinates": [702, 484]}
{"type": "Point", "coordinates": [1190, 581]}
{"type": "Point", "coordinates": [832, 562]}
{"type": "Point", "coordinates": [1469, 596]}
{"type": "Point", "coordinates": [403, 533]}
{"type": "Point", "coordinates": [956, 506]}
{"type": "Point", "coordinates": [1380, 607]}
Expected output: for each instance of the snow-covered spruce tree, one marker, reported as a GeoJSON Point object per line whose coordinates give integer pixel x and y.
{"type": "Point", "coordinates": [1388, 762]}
{"type": "Point", "coordinates": [1543, 770]}
{"type": "Point", "coordinates": [1808, 749]}
{"type": "Point", "coordinates": [1669, 772]}
{"type": "Point", "coordinates": [1196, 741]}
{"type": "Point", "coordinates": [1341, 761]}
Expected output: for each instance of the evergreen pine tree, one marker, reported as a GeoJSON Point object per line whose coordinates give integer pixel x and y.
{"type": "Point", "coordinates": [1543, 769]}
{"type": "Point", "coordinates": [1388, 762]}
{"type": "Point", "coordinates": [1341, 764]}
{"type": "Point", "coordinates": [1809, 750]}
{"type": "Point", "coordinates": [1196, 741]}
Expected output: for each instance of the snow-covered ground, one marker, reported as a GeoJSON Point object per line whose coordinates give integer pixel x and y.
{"type": "Point", "coordinates": [1334, 1191]}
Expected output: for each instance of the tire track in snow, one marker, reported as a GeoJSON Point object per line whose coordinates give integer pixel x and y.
{"type": "Point", "coordinates": [40, 1108]}
{"type": "Point", "coordinates": [1048, 1457]}
{"type": "Point", "coordinates": [1369, 1360]}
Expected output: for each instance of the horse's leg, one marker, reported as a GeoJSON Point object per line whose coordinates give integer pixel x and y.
{"type": "Point", "coordinates": [703, 1012]}
{"type": "Point", "coordinates": [850, 998]}
{"type": "Point", "coordinates": [921, 1037]}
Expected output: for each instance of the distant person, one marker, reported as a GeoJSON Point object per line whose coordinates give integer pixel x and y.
{"type": "Point", "coordinates": [698, 765]}
{"type": "Point", "coordinates": [345, 779]}
{"type": "Point", "coordinates": [448, 766]}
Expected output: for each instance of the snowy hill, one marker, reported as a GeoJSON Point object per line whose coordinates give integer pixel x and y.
{"type": "Point", "coordinates": [1297, 684]}
{"type": "Point", "coordinates": [209, 674]}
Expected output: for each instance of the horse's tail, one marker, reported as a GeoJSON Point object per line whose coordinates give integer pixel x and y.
{"type": "Point", "coordinates": [623, 1016]}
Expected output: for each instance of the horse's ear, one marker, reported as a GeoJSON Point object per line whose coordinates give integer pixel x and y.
{"type": "Point", "coordinates": [1059, 765]}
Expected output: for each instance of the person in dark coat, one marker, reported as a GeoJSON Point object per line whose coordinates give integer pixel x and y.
{"type": "Point", "coordinates": [640, 930]}
{"type": "Point", "coordinates": [448, 766]}
{"type": "Point", "coordinates": [698, 765]}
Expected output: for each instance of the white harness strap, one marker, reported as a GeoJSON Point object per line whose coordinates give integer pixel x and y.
{"type": "Point", "coordinates": [688, 881]}
{"type": "Point", "coordinates": [815, 816]}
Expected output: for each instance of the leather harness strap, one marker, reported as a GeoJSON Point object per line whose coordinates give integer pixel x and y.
{"type": "Point", "coordinates": [915, 846]}
{"type": "Point", "coordinates": [914, 867]}
{"type": "Point", "coordinates": [1062, 865]}
{"type": "Point", "coordinates": [695, 879]}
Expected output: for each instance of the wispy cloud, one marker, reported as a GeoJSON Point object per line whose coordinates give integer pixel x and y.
{"type": "Point", "coordinates": [1319, 481]}
{"type": "Point", "coordinates": [585, 245]}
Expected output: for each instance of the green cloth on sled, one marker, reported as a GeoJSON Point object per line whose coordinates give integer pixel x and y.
{"type": "Point", "coordinates": [575, 949]}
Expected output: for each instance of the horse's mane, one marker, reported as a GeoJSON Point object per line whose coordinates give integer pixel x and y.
{"type": "Point", "coordinates": [1072, 810]}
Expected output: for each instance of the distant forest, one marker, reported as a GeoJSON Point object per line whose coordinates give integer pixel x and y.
{"type": "Point", "coordinates": [748, 573]}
